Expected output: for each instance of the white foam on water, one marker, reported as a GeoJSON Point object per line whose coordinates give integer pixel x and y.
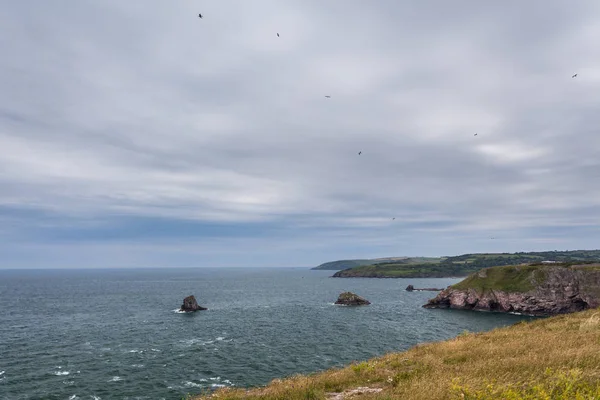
{"type": "Point", "coordinates": [157, 350]}
{"type": "Point", "coordinates": [95, 397]}
{"type": "Point", "coordinates": [115, 379]}
{"type": "Point", "coordinates": [61, 373]}
{"type": "Point", "coordinates": [191, 384]}
{"type": "Point", "coordinates": [200, 342]}
{"type": "Point", "coordinates": [68, 383]}
{"type": "Point", "coordinates": [178, 311]}
{"type": "Point", "coordinates": [218, 378]}
{"type": "Point", "coordinates": [135, 351]}
{"type": "Point", "coordinates": [220, 338]}
{"type": "Point", "coordinates": [2, 373]}
{"type": "Point", "coordinates": [138, 365]}
{"type": "Point", "coordinates": [73, 397]}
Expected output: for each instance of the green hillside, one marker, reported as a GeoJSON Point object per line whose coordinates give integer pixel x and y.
{"type": "Point", "coordinates": [463, 265]}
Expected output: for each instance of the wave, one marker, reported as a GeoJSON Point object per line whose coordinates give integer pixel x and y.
{"type": "Point", "coordinates": [115, 379]}
{"type": "Point", "coordinates": [61, 373]}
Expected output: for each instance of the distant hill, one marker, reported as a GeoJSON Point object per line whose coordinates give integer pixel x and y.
{"type": "Point", "coordinates": [459, 266]}
{"type": "Point", "coordinates": [345, 264]}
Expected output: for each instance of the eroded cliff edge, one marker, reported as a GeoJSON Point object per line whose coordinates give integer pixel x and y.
{"type": "Point", "coordinates": [534, 289]}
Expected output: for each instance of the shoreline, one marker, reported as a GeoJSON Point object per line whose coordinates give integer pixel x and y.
{"type": "Point", "coordinates": [532, 358]}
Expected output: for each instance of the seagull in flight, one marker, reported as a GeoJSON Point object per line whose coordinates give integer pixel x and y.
{"type": "Point", "coordinates": [328, 96]}
{"type": "Point", "coordinates": [475, 135]}
{"type": "Point", "coordinates": [200, 15]}
{"type": "Point", "coordinates": [574, 76]}
{"type": "Point", "coordinates": [277, 34]}
{"type": "Point", "coordinates": [393, 218]}
{"type": "Point", "coordinates": [359, 153]}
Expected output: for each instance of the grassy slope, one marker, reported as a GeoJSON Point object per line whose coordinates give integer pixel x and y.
{"type": "Point", "coordinates": [462, 265]}
{"type": "Point", "coordinates": [342, 264]}
{"type": "Point", "coordinates": [514, 278]}
{"type": "Point", "coordinates": [552, 358]}
{"type": "Point", "coordinates": [345, 264]}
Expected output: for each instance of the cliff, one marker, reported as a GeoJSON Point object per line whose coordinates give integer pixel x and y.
{"type": "Point", "coordinates": [536, 289]}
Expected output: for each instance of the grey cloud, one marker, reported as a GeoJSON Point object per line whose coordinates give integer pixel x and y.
{"type": "Point", "coordinates": [146, 110]}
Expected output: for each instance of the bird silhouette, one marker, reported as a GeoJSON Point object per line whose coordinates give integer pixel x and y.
{"type": "Point", "coordinates": [277, 34]}
{"type": "Point", "coordinates": [328, 96]}
{"type": "Point", "coordinates": [393, 218]}
{"type": "Point", "coordinates": [475, 135]}
{"type": "Point", "coordinates": [200, 15]}
{"type": "Point", "coordinates": [574, 76]}
{"type": "Point", "coordinates": [359, 153]}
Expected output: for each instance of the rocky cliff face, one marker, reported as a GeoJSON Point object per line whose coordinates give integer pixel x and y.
{"type": "Point", "coordinates": [544, 290]}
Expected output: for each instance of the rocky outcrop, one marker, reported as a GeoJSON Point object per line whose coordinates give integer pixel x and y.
{"type": "Point", "coordinates": [190, 305]}
{"type": "Point", "coordinates": [411, 288]}
{"type": "Point", "coordinates": [351, 299]}
{"type": "Point", "coordinates": [540, 290]}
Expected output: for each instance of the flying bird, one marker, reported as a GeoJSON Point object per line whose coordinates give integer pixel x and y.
{"type": "Point", "coordinates": [475, 135]}
{"type": "Point", "coordinates": [359, 153]}
{"type": "Point", "coordinates": [328, 97]}
{"type": "Point", "coordinates": [277, 34]}
{"type": "Point", "coordinates": [393, 218]}
{"type": "Point", "coordinates": [200, 15]}
{"type": "Point", "coordinates": [574, 76]}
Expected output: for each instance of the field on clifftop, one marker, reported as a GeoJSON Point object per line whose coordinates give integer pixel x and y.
{"type": "Point", "coordinates": [551, 358]}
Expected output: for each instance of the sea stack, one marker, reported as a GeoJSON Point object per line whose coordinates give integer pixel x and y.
{"type": "Point", "coordinates": [351, 299]}
{"type": "Point", "coordinates": [190, 305]}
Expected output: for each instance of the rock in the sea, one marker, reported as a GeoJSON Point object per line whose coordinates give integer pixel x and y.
{"type": "Point", "coordinates": [190, 304]}
{"type": "Point", "coordinates": [525, 289]}
{"type": "Point", "coordinates": [411, 288]}
{"type": "Point", "coordinates": [351, 299]}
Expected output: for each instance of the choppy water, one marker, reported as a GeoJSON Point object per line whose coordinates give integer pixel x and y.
{"type": "Point", "coordinates": [114, 334]}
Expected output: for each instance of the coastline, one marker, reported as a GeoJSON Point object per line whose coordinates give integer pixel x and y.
{"type": "Point", "coordinates": [525, 359]}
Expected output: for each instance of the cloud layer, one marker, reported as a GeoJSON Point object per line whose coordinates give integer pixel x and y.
{"type": "Point", "coordinates": [136, 134]}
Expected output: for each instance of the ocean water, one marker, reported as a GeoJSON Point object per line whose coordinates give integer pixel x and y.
{"type": "Point", "coordinates": [115, 334]}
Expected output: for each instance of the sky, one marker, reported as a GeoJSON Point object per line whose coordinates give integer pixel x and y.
{"type": "Point", "coordinates": [135, 134]}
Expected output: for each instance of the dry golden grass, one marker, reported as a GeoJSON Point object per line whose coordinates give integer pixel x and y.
{"type": "Point", "coordinates": [553, 358]}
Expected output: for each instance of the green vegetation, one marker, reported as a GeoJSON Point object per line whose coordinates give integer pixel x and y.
{"type": "Point", "coordinates": [550, 358]}
{"type": "Point", "coordinates": [345, 264]}
{"type": "Point", "coordinates": [462, 265]}
{"type": "Point", "coordinates": [515, 278]}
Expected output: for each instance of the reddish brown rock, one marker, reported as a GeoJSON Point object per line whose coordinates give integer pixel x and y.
{"type": "Point", "coordinates": [557, 290]}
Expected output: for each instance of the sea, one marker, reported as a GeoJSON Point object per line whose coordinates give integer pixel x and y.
{"type": "Point", "coordinates": [103, 334]}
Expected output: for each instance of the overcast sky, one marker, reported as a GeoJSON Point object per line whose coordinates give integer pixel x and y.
{"type": "Point", "coordinates": [135, 134]}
